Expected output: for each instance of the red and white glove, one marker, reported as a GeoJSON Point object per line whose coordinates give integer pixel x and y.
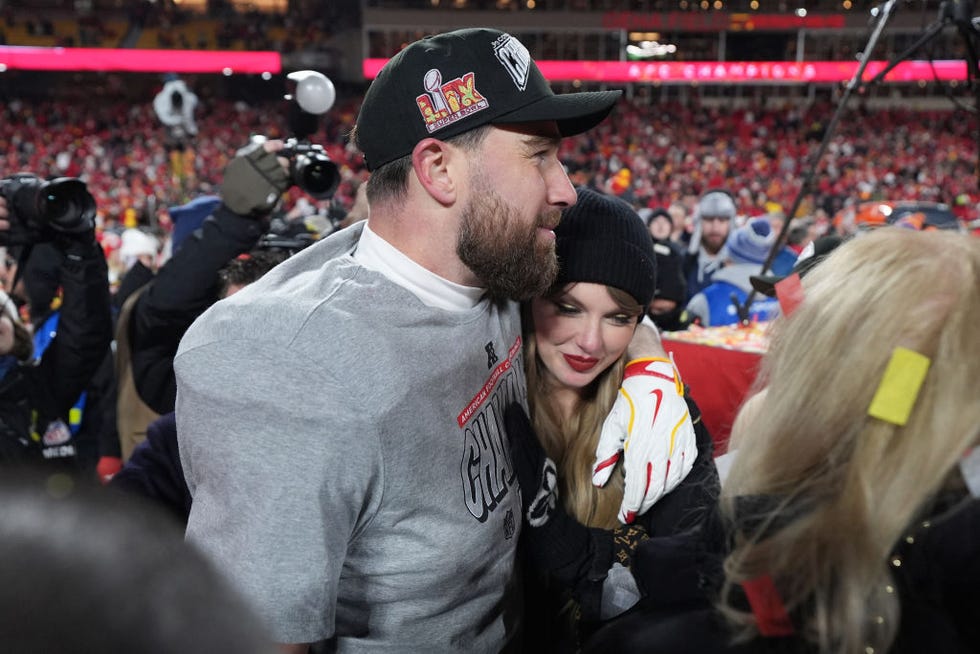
{"type": "Point", "coordinates": [650, 424]}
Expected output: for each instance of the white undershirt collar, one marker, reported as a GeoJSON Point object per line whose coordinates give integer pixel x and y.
{"type": "Point", "coordinates": [375, 253]}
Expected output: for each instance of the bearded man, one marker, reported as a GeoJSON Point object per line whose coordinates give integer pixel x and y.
{"type": "Point", "coordinates": [340, 420]}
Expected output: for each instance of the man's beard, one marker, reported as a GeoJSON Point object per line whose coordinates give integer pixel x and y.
{"type": "Point", "coordinates": [713, 244]}
{"type": "Point", "coordinates": [507, 254]}
{"type": "Point", "coordinates": [712, 248]}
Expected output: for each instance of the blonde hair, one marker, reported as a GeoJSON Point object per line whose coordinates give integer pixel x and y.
{"type": "Point", "coordinates": [571, 442]}
{"type": "Point", "coordinates": [844, 486]}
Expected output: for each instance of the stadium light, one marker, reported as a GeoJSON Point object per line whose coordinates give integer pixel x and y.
{"type": "Point", "coordinates": [14, 57]}
{"type": "Point", "coordinates": [733, 72]}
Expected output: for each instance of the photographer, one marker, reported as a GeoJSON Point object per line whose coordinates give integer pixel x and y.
{"type": "Point", "coordinates": [189, 282]}
{"type": "Point", "coordinates": [39, 388]}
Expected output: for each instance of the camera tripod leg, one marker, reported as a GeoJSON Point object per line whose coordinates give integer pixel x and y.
{"type": "Point", "coordinates": [884, 15]}
{"type": "Point", "coordinates": [931, 32]}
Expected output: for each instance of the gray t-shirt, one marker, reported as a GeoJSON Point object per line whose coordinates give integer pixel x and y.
{"type": "Point", "coordinates": [345, 450]}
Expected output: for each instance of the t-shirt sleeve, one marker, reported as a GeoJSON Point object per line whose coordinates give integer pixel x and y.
{"type": "Point", "coordinates": [283, 470]}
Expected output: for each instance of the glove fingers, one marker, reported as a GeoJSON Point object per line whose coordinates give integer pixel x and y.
{"type": "Point", "coordinates": [253, 181]}
{"type": "Point", "coordinates": [682, 458]}
{"type": "Point", "coordinates": [636, 494]}
{"type": "Point", "coordinates": [602, 469]}
{"type": "Point", "coordinates": [267, 164]}
{"type": "Point", "coordinates": [610, 447]}
{"type": "Point", "coordinates": [644, 490]}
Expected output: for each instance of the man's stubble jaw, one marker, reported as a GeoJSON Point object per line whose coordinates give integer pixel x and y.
{"type": "Point", "coordinates": [513, 261]}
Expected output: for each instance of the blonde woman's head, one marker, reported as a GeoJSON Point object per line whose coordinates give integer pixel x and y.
{"type": "Point", "coordinates": [850, 483]}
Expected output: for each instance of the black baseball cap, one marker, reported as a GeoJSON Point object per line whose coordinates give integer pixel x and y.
{"type": "Point", "coordinates": [444, 85]}
{"type": "Point", "coordinates": [810, 257]}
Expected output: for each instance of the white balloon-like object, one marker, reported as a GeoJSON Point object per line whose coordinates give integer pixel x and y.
{"type": "Point", "coordinates": [172, 115]}
{"type": "Point", "coordinates": [315, 92]}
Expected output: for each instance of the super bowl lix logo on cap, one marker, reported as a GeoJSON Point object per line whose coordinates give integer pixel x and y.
{"type": "Point", "coordinates": [444, 104]}
{"type": "Point", "coordinates": [515, 58]}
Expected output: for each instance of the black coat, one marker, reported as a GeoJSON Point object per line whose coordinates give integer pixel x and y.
{"type": "Point", "coordinates": [50, 388]}
{"type": "Point", "coordinates": [938, 584]}
{"type": "Point", "coordinates": [548, 623]}
{"type": "Point", "coordinates": [154, 471]}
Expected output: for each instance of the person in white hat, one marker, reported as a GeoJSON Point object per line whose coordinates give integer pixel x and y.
{"type": "Point", "coordinates": [713, 218]}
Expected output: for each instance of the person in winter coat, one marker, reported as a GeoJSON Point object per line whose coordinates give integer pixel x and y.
{"type": "Point", "coordinates": [38, 389]}
{"type": "Point", "coordinates": [721, 302]}
{"type": "Point", "coordinates": [577, 547]}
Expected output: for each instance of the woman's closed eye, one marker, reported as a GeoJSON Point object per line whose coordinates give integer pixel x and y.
{"type": "Point", "coordinates": [566, 309]}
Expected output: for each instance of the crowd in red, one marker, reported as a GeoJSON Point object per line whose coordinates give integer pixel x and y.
{"type": "Point", "coordinates": [660, 153]}
{"type": "Point", "coordinates": [652, 154]}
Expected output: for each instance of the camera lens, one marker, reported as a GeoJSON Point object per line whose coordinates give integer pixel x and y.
{"type": "Point", "coordinates": [57, 206]}
{"type": "Point", "coordinates": [66, 204]}
{"type": "Point", "coordinates": [317, 175]}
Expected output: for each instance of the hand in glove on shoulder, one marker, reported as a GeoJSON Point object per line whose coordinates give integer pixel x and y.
{"type": "Point", "coordinates": [651, 426]}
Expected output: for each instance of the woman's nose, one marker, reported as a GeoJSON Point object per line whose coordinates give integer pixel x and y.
{"type": "Point", "coordinates": [590, 337]}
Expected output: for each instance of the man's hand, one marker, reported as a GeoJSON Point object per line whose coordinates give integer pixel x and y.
{"type": "Point", "coordinates": [255, 179]}
{"type": "Point", "coordinates": [646, 342]}
{"type": "Point", "coordinates": [651, 425]}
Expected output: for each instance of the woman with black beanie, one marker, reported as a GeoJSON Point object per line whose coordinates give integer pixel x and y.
{"type": "Point", "coordinates": [577, 551]}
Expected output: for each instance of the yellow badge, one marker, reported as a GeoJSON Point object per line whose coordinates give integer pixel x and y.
{"type": "Point", "coordinates": [895, 397]}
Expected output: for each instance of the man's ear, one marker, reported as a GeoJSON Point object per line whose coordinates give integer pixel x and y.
{"type": "Point", "coordinates": [431, 161]}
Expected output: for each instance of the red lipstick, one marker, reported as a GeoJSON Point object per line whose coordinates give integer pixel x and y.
{"type": "Point", "coordinates": [580, 364]}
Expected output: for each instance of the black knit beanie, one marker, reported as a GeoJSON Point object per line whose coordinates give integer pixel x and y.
{"type": "Point", "coordinates": [602, 240]}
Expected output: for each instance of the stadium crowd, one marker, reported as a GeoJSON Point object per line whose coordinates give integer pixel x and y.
{"type": "Point", "coordinates": [653, 155]}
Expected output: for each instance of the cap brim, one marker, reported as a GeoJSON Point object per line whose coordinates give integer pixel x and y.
{"type": "Point", "coordinates": [766, 284]}
{"type": "Point", "coordinates": [574, 112]}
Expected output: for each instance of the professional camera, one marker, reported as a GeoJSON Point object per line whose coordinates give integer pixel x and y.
{"type": "Point", "coordinates": [310, 168]}
{"type": "Point", "coordinates": [40, 209]}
